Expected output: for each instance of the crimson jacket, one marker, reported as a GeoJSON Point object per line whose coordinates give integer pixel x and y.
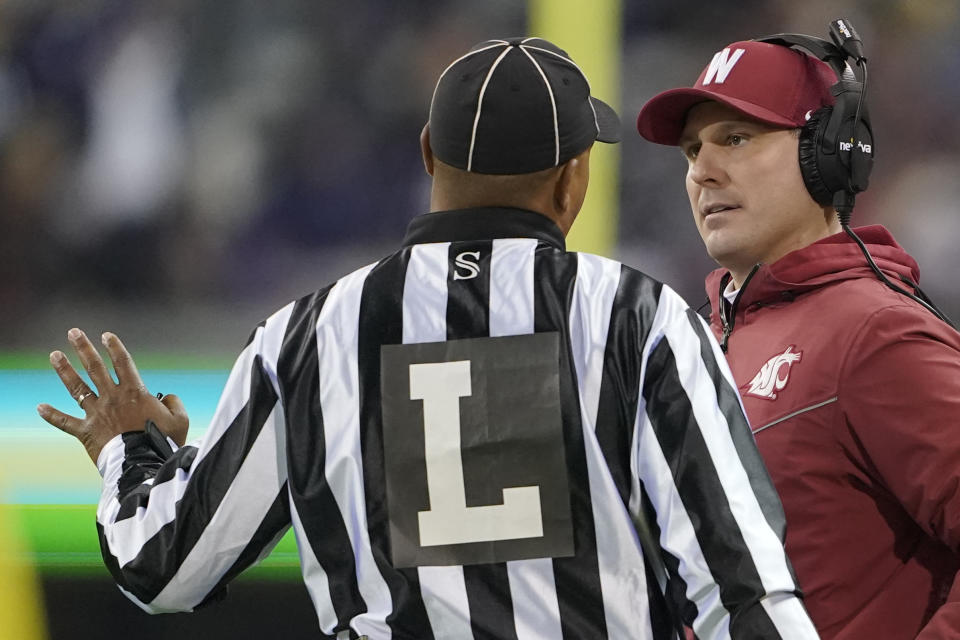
{"type": "Point", "coordinates": [853, 394]}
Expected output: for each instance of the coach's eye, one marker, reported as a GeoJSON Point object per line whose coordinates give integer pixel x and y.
{"type": "Point", "coordinates": [691, 152]}
{"type": "Point", "coordinates": [735, 139]}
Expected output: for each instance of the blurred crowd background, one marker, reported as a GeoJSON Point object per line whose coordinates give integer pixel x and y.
{"type": "Point", "coordinates": [174, 171]}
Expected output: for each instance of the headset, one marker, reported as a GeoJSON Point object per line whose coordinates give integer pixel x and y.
{"type": "Point", "coordinates": [836, 148]}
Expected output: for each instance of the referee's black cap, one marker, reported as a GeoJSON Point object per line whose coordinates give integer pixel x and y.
{"type": "Point", "coordinates": [516, 106]}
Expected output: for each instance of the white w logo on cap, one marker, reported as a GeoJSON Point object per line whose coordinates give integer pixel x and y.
{"type": "Point", "coordinates": [721, 65]}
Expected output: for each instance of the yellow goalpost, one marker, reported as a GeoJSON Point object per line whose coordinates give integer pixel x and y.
{"type": "Point", "coordinates": [591, 32]}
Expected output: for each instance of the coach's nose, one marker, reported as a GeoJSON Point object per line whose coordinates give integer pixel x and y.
{"type": "Point", "coordinates": [707, 168]}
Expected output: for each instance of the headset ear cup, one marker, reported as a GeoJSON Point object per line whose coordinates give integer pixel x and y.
{"type": "Point", "coordinates": [811, 133]}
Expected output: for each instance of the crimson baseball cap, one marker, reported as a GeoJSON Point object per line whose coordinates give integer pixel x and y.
{"type": "Point", "coordinates": [513, 106]}
{"type": "Point", "coordinates": [768, 82]}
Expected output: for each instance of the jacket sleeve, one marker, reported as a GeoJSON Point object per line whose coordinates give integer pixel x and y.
{"type": "Point", "coordinates": [900, 393]}
{"type": "Point", "coordinates": [705, 491]}
{"type": "Point", "coordinates": [176, 526]}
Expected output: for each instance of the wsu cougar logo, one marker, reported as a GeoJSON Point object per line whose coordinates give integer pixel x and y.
{"type": "Point", "coordinates": [773, 375]}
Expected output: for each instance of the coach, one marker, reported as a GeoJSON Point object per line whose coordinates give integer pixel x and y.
{"type": "Point", "coordinates": [849, 374]}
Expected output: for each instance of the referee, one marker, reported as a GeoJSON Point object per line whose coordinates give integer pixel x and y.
{"type": "Point", "coordinates": [480, 436]}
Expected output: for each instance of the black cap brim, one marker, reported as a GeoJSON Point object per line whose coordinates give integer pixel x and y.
{"type": "Point", "coordinates": [608, 122]}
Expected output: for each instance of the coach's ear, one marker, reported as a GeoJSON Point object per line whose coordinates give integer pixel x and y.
{"type": "Point", "coordinates": [425, 149]}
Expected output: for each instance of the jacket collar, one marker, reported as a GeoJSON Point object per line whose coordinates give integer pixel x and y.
{"type": "Point", "coordinates": [829, 260]}
{"type": "Point", "coordinates": [482, 223]}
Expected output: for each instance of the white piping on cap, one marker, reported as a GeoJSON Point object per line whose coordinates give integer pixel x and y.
{"type": "Point", "coordinates": [553, 105]}
{"type": "Point", "coordinates": [497, 43]}
{"type": "Point", "coordinates": [585, 79]}
{"type": "Point", "coordinates": [483, 89]}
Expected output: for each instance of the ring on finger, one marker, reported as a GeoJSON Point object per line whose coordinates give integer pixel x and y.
{"type": "Point", "coordinates": [84, 396]}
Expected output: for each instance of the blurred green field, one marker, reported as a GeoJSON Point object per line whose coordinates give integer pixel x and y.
{"type": "Point", "coordinates": [62, 539]}
{"type": "Point", "coordinates": [50, 486]}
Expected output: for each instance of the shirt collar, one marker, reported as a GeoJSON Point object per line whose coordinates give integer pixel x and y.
{"type": "Point", "coordinates": [482, 223]}
{"type": "Point", "coordinates": [730, 293]}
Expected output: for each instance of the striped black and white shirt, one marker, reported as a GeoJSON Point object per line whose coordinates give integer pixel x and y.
{"type": "Point", "coordinates": [471, 438]}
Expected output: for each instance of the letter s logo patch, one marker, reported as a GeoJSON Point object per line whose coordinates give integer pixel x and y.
{"type": "Point", "coordinates": [472, 268]}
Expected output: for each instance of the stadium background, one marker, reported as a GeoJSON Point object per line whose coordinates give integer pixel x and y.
{"type": "Point", "coordinates": [174, 171]}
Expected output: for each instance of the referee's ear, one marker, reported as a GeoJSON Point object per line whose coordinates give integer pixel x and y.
{"type": "Point", "coordinates": [564, 198]}
{"type": "Point", "coordinates": [425, 149]}
{"type": "Point", "coordinates": [562, 195]}
{"type": "Point", "coordinates": [570, 189]}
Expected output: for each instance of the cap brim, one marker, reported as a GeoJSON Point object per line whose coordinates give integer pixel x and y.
{"type": "Point", "coordinates": [608, 122]}
{"type": "Point", "coordinates": [662, 119]}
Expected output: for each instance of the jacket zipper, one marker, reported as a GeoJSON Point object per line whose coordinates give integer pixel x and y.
{"type": "Point", "coordinates": [726, 323]}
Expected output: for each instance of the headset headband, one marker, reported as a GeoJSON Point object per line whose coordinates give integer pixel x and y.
{"type": "Point", "coordinates": [818, 47]}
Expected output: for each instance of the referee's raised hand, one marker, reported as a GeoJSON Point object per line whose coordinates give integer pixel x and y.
{"type": "Point", "coordinates": [115, 407]}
